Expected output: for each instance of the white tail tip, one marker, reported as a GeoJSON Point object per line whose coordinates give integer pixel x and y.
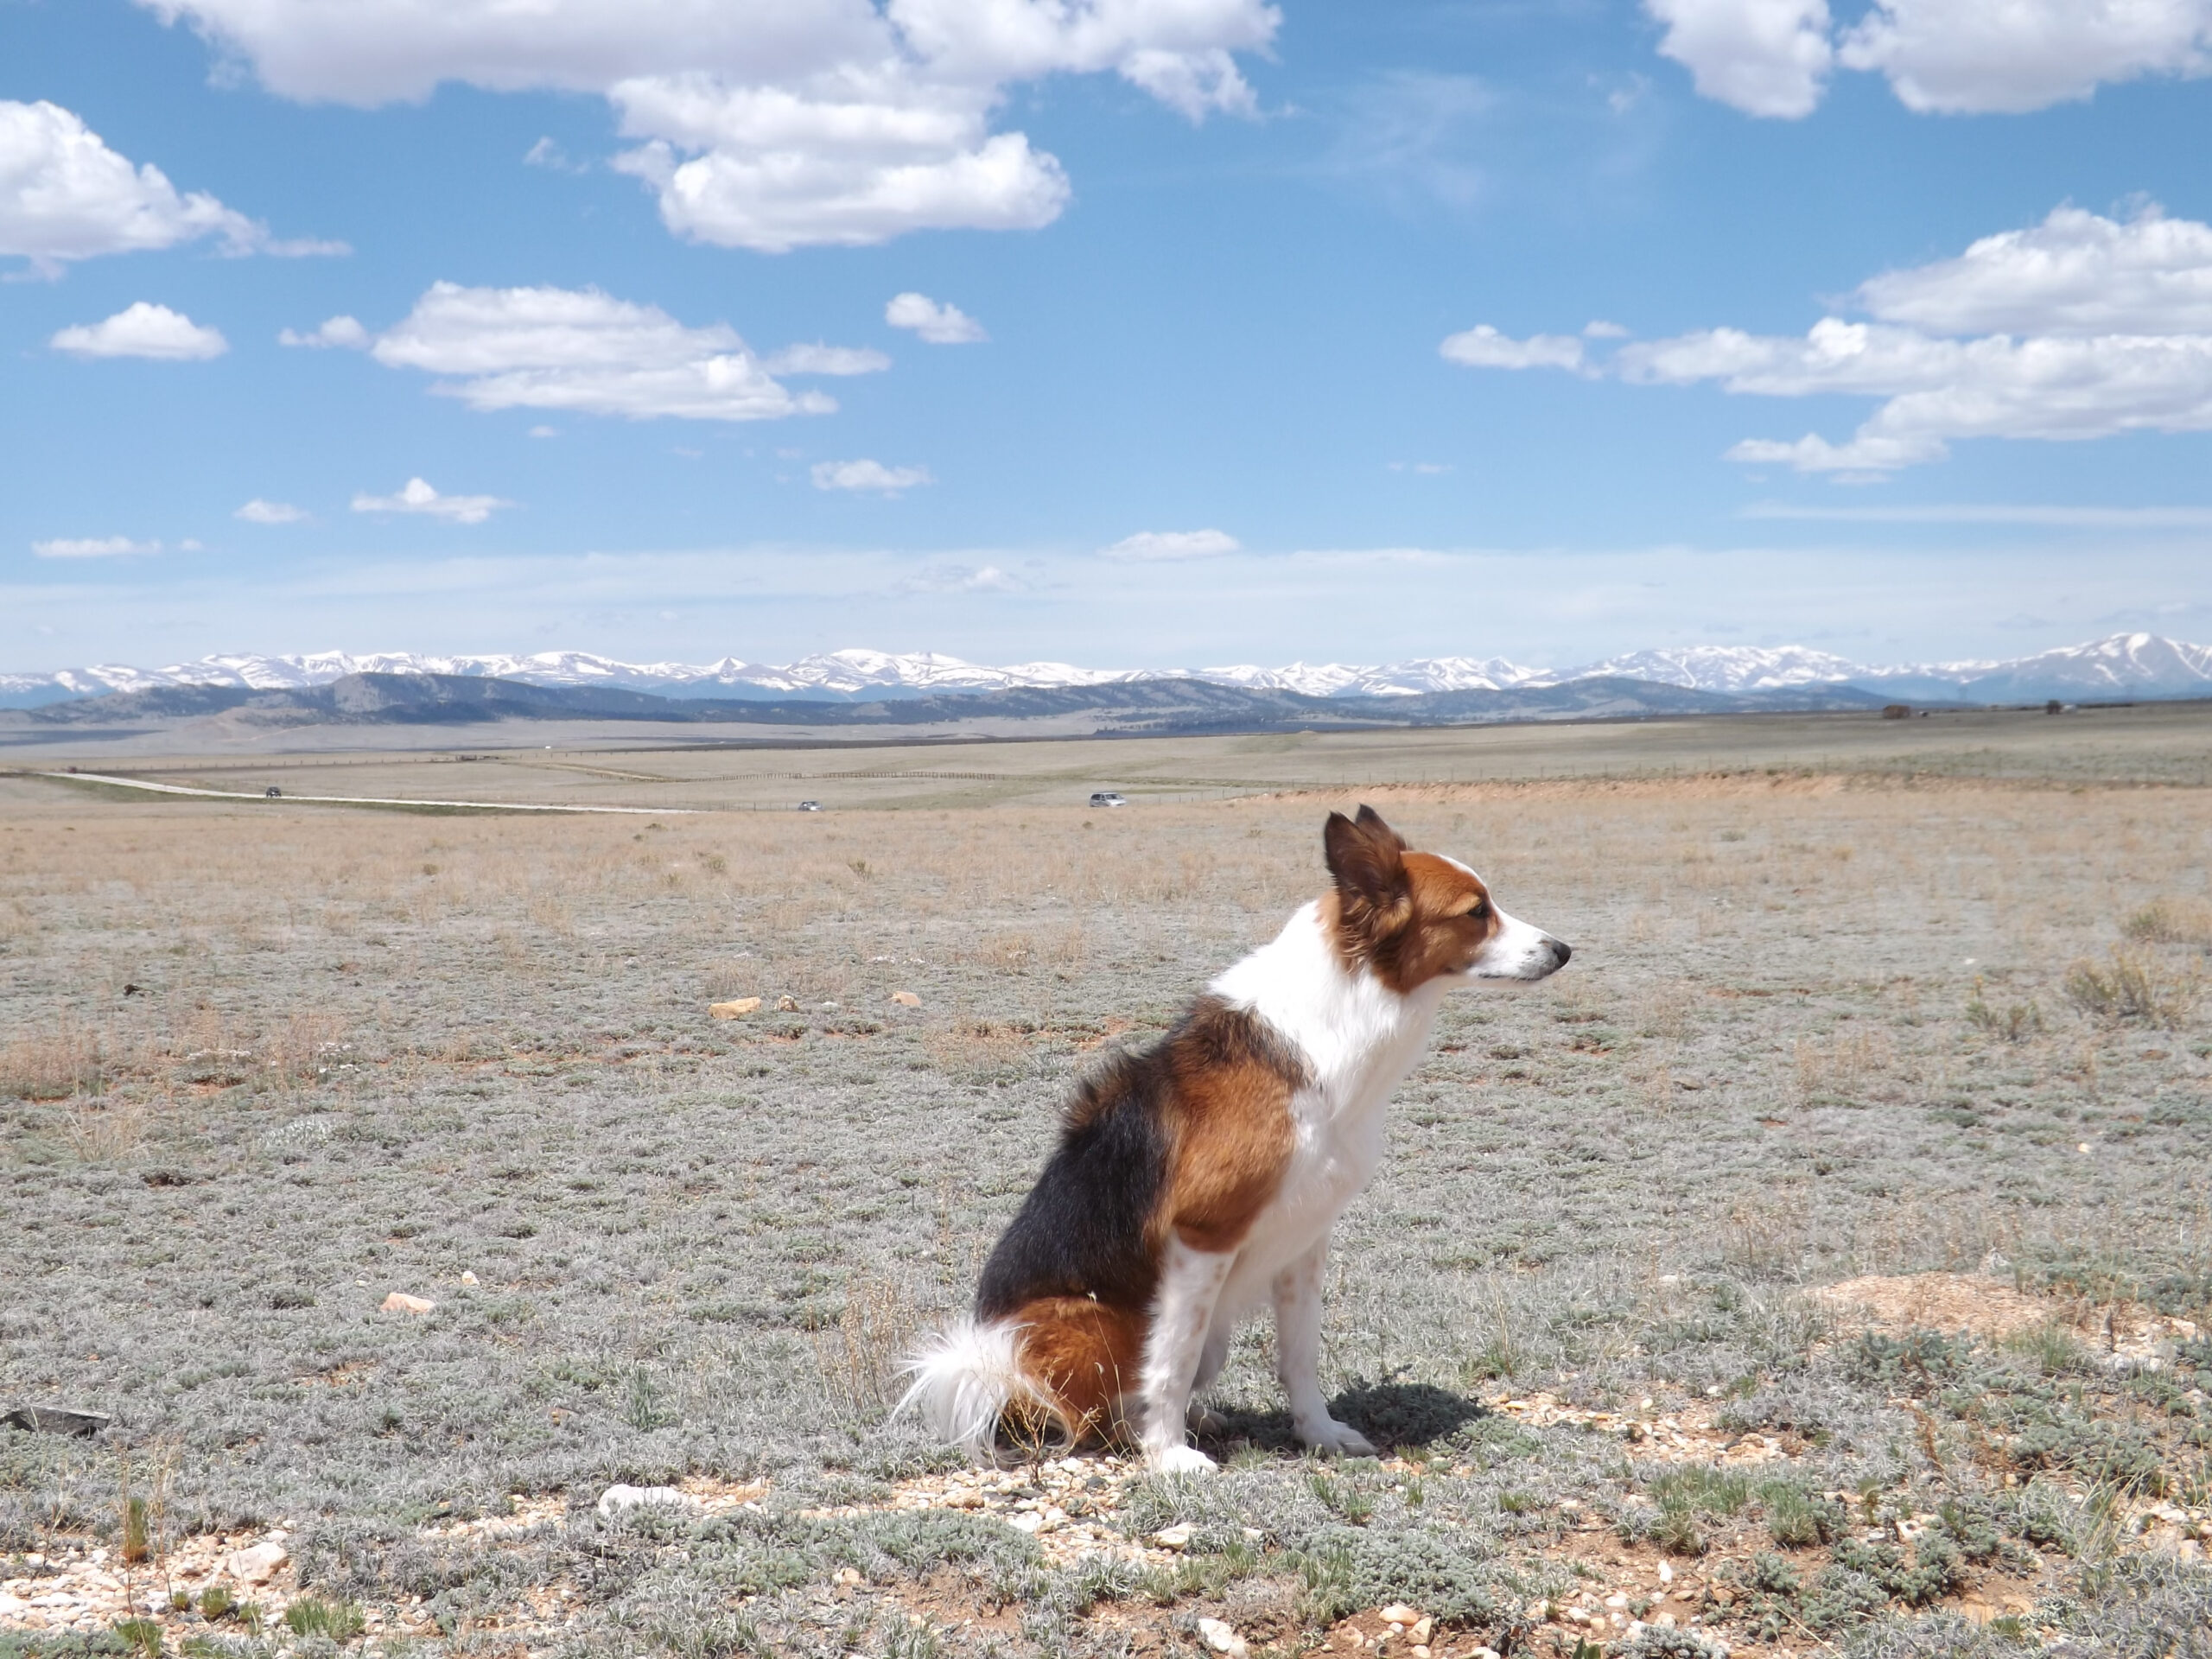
{"type": "Point", "coordinates": [965, 1378]}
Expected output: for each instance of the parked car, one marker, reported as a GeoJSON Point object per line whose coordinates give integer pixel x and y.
{"type": "Point", "coordinates": [809, 806]}
{"type": "Point", "coordinates": [1106, 797]}
{"type": "Point", "coordinates": [272, 793]}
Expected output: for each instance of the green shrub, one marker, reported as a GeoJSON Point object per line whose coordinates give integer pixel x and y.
{"type": "Point", "coordinates": [1841, 1598]}
{"type": "Point", "coordinates": [1773, 1574]}
{"type": "Point", "coordinates": [1702, 1487]}
{"type": "Point", "coordinates": [1798, 1520]}
{"type": "Point", "coordinates": [1919, 1361]}
{"type": "Point", "coordinates": [1345, 1570]}
{"type": "Point", "coordinates": [1935, 1571]}
{"type": "Point", "coordinates": [340, 1621]}
{"type": "Point", "coordinates": [1658, 1642]}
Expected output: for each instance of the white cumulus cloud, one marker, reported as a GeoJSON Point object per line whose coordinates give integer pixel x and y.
{"type": "Point", "coordinates": [1152, 545]}
{"type": "Point", "coordinates": [1483, 348]}
{"type": "Point", "coordinates": [92, 547]}
{"type": "Point", "coordinates": [940, 324]}
{"type": "Point", "coordinates": [143, 330]}
{"type": "Point", "coordinates": [343, 332]}
{"type": "Point", "coordinates": [582, 350]}
{"type": "Point", "coordinates": [1773, 57]}
{"type": "Point", "coordinates": [868, 475]}
{"type": "Point", "coordinates": [416, 496]}
{"type": "Point", "coordinates": [2079, 327]}
{"type": "Point", "coordinates": [65, 195]}
{"type": "Point", "coordinates": [258, 512]}
{"type": "Point", "coordinates": [2076, 273]}
{"type": "Point", "coordinates": [774, 123]}
{"type": "Point", "coordinates": [1971, 56]}
{"type": "Point", "coordinates": [1764, 57]}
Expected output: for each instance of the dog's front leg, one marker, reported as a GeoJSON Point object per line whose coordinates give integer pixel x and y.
{"type": "Point", "coordinates": [1298, 1356]}
{"type": "Point", "coordinates": [1182, 1313]}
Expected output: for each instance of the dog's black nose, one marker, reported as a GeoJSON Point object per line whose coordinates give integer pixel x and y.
{"type": "Point", "coordinates": [1563, 948]}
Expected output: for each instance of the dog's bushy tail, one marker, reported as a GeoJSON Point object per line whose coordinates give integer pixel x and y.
{"type": "Point", "coordinates": [1049, 1375]}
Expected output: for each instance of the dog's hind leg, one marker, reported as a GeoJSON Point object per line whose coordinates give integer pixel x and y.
{"type": "Point", "coordinates": [1182, 1319]}
{"type": "Point", "coordinates": [1298, 1356]}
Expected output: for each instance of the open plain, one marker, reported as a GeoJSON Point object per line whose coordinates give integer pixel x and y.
{"type": "Point", "coordinates": [1822, 1261]}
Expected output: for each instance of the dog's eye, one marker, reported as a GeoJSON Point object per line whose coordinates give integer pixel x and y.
{"type": "Point", "coordinates": [1480, 912]}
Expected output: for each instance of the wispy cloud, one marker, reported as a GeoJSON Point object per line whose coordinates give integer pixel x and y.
{"type": "Point", "coordinates": [92, 547]}
{"type": "Point", "coordinates": [417, 497]}
{"type": "Point", "coordinates": [345, 332]}
{"type": "Point", "coordinates": [258, 512]}
{"type": "Point", "coordinates": [938, 323]}
{"type": "Point", "coordinates": [1154, 545]}
{"type": "Point", "coordinates": [868, 475]}
{"type": "Point", "coordinates": [1976, 513]}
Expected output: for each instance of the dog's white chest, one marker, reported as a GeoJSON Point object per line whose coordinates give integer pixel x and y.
{"type": "Point", "coordinates": [1358, 1041]}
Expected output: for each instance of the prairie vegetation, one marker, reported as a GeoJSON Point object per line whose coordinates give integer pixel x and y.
{"type": "Point", "coordinates": [261, 1068]}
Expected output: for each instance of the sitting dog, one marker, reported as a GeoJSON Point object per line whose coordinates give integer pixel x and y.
{"type": "Point", "coordinates": [1199, 1177]}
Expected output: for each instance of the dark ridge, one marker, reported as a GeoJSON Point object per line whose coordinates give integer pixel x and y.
{"type": "Point", "coordinates": [1144, 706]}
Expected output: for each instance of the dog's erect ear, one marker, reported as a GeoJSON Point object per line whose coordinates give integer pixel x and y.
{"type": "Point", "coordinates": [1366, 855]}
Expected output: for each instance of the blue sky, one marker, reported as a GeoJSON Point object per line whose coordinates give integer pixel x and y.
{"type": "Point", "coordinates": [1245, 333]}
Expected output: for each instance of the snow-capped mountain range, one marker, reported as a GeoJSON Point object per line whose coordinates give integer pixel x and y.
{"type": "Point", "coordinates": [2122, 665]}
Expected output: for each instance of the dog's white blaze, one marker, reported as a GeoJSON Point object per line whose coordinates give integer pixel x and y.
{"type": "Point", "coordinates": [1516, 950]}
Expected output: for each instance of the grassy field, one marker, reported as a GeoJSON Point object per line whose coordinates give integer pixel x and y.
{"type": "Point", "coordinates": [1914, 1011]}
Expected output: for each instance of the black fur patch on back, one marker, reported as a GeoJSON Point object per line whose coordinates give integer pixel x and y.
{"type": "Point", "coordinates": [1082, 1231]}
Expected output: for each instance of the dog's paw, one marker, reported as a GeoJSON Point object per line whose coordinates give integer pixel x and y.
{"type": "Point", "coordinates": [1181, 1460]}
{"type": "Point", "coordinates": [1329, 1435]}
{"type": "Point", "coordinates": [1205, 1420]}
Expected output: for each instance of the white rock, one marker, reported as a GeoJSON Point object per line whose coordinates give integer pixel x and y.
{"type": "Point", "coordinates": [468, 1277]}
{"type": "Point", "coordinates": [617, 1498]}
{"type": "Point", "coordinates": [257, 1564]}
{"type": "Point", "coordinates": [1222, 1639]}
{"type": "Point", "coordinates": [1173, 1537]}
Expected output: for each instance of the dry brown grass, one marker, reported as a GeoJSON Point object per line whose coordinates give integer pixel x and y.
{"type": "Point", "coordinates": [2129, 985]}
{"type": "Point", "coordinates": [978, 1051]}
{"type": "Point", "coordinates": [859, 1357]}
{"type": "Point", "coordinates": [100, 1131]}
{"type": "Point", "coordinates": [51, 1065]}
{"type": "Point", "coordinates": [1841, 1065]}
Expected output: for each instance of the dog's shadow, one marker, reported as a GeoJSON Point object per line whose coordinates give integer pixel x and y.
{"type": "Point", "coordinates": [1392, 1414]}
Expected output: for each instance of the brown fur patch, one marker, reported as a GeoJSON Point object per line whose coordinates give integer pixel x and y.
{"type": "Point", "coordinates": [1229, 1118]}
{"type": "Point", "coordinates": [1408, 916]}
{"type": "Point", "coordinates": [1086, 1355]}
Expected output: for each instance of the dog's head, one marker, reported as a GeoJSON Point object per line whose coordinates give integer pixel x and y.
{"type": "Point", "coordinates": [1416, 917]}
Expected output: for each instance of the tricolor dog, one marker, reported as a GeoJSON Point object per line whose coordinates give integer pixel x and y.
{"type": "Point", "coordinates": [1197, 1179]}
